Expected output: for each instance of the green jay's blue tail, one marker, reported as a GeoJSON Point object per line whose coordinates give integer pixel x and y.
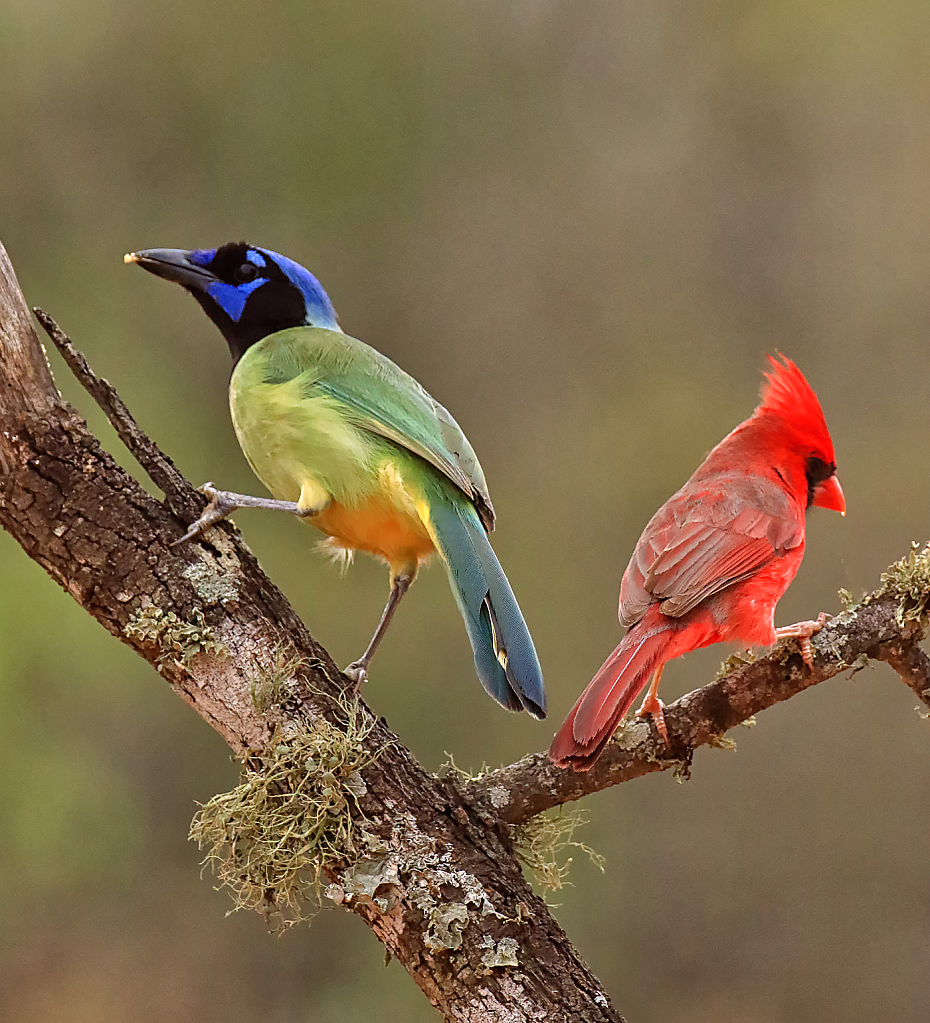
{"type": "Point", "coordinates": [505, 657]}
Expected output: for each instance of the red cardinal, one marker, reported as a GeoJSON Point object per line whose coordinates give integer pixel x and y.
{"type": "Point", "coordinates": [714, 560]}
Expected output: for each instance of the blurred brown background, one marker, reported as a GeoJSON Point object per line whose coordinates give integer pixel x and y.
{"type": "Point", "coordinates": [581, 226]}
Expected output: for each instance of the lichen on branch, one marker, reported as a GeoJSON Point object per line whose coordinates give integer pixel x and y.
{"type": "Point", "coordinates": [542, 842]}
{"type": "Point", "coordinates": [294, 814]}
{"type": "Point", "coordinates": [178, 641]}
{"type": "Point", "coordinates": [908, 579]}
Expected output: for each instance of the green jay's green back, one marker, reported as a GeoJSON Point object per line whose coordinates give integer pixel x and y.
{"type": "Point", "coordinates": [342, 410]}
{"type": "Point", "coordinates": [367, 455]}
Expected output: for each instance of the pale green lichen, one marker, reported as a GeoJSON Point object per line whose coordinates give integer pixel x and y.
{"type": "Point", "coordinates": [738, 659]}
{"type": "Point", "coordinates": [541, 842]}
{"type": "Point", "coordinates": [722, 742]}
{"type": "Point", "coordinates": [212, 583]}
{"type": "Point", "coordinates": [295, 812]}
{"type": "Point", "coordinates": [860, 662]}
{"type": "Point", "coordinates": [653, 753]}
{"type": "Point", "coordinates": [450, 767]}
{"type": "Point", "coordinates": [682, 770]}
{"type": "Point", "coordinates": [500, 953]}
{"type": "Point", "coordinates": [908, 579]}
{"type": "Point", "coordinates": [414, 867]}
{"type": "Point", "coordinates": [446, 922]}
{"type": "Point", "coordinates": [270, 688]}
{"type": "Point", "coordinates": [179, 641]}
{"type": "Point", "coordinates": [499, 796]}
{"type": "Point", "coordinates": [833, 637]}
{"type": "Point", "coordinates": [361, 881]}
{"type": "Point", "coordinates": [429, 889]}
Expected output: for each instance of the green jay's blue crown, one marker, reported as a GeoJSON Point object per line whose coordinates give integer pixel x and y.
{"type": "Point", "coordinates": [246, 291]}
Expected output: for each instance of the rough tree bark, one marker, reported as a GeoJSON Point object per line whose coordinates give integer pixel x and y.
{"type": "Point", "coordinates": [451, 903]}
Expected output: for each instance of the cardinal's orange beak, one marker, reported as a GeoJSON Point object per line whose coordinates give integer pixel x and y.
{"type": "Point", "coordinates": [829, 494]}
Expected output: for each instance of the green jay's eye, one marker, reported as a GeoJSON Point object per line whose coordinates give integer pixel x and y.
{"type": "Point", "coordinates": [245, 273]}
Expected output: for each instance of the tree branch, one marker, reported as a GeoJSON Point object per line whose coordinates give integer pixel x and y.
{"type": "Point", "coordinates": [438, 883]}
{"type": "Point", "coordinates": [180, 497]}
{"type": "Point", "coordinates": [887, 625]}
{"type": "Point", "coordinates": [910, 662]}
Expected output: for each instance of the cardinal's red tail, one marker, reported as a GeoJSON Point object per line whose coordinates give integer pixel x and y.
{"type": "Point", "coordinates": [608, 696]}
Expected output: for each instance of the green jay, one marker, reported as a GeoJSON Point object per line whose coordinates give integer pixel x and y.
{"type": "Point", "coordinates": [348, 441]}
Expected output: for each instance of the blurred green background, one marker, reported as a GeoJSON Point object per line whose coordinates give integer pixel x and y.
{"type": "Point", "coordinates": [581, 226]}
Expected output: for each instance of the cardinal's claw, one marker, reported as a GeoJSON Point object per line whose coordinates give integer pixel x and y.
{"type": "Point", "coordinates": [802, 632]}
{"type": "Point", "coordinates": [654, 708]}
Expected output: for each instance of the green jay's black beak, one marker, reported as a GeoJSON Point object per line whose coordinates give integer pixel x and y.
{"type": "Point", "coordinates": [174, 265]}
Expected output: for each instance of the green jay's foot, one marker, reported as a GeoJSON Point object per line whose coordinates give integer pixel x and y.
{"type": "Point", "coordinates": [223, 503]}
{"type": "Point", "coordinates": [357, 671]}
{"type": "Point", "coordinates": [216, 511]}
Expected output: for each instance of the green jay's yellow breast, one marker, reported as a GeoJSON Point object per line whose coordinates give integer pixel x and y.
{"type": "Point", "coordinates": [304, 447]}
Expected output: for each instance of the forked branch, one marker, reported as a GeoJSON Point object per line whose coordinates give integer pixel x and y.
{"type": "Point", "coordinates": [887, 626]}
{"type": "Point", "coordinates": [431, 868]}
{"type": "Point", "coordinates": [437, 883]}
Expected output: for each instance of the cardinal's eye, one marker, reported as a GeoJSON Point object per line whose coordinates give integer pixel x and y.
{"type": "Point", "coordinates": [818, 470]}
{"type": "Point", "coordinates": [245, 272]}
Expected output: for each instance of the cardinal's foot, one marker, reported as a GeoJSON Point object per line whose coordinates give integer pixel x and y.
{"type": "Point", "coordinates": [802, 632]}
{"type": "Point", "coordinates": [654, 708]}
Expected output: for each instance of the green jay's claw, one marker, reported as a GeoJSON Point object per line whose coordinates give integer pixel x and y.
{"type": "Point", "coordinates": [357, 671]}
{"type": "Point", "coordinates": [221, 504]}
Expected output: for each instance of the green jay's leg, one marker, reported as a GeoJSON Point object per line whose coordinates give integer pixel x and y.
{"type": "Point", "coordinates": [223, 503]}
{"type": "Point", "coordinates": [358, 670]}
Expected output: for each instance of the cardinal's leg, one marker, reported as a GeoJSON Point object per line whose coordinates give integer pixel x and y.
{"type": "Point", "coordinates": [802, 632]}
{"type": "Point", "coordinates": [653, 707]}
